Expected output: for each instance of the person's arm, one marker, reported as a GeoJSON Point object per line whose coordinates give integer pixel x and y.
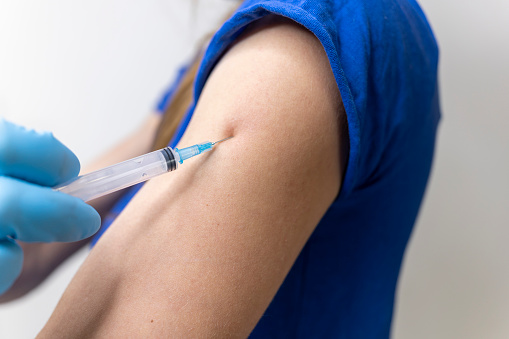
{"type": "Point", "coordinates": [40, 259]}
{"type": "Point", "coordinates": [201, 252]}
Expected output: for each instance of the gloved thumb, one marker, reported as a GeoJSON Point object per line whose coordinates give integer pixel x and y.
{"type": "Point", "coordinates": [11, 263]}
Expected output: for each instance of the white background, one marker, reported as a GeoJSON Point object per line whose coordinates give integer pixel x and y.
{"type": "Point", "coordinates": [91, 71]}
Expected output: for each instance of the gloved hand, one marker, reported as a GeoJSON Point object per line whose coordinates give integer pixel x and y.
{"type": "Point", "coordinates": [30, 164]}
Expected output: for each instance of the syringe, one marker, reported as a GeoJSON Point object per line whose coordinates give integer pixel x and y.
{"type": "Point", "coordinates": [131, 172]}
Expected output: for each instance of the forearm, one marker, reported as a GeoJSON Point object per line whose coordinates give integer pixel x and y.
{"type": "Point", "coordinates": [40, 259]}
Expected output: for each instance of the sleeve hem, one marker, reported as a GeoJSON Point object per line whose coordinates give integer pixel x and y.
{"type": "Point", "coordinates": [244, 16]}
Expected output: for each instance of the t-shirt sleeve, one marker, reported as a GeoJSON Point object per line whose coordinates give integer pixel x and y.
{"type": "Point", "coordinates": [385, 71]}
{"type": "Point", "coordinates": [252, 10]}
{"type": "Point", "coordinates": [168, 94]}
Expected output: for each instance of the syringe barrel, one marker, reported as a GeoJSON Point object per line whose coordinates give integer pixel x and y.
{"type": "Point", "coordinates": [113, 178]}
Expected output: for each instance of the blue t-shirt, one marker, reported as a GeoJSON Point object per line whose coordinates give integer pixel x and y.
{"type": "Point", "coordinates": [384, 59]}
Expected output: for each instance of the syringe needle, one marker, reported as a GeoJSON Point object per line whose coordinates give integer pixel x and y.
{"type": "Point", "coordinates": [130, 172]}
{"type": "Point", "coordinates": [217, 142]}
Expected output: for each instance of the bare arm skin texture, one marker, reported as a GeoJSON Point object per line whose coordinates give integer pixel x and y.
{"type": "Point", "coordinates": [202, 251]}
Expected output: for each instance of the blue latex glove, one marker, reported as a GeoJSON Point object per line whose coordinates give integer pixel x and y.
{"type": "Point", "coordinates": [30, 164]}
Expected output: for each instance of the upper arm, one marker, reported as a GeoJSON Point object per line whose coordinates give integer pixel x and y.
{"type": "Point", "coordinates": [202, 251]}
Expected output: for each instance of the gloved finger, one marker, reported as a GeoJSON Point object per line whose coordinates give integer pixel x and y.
{"type": "Point", "coordinates": [36, 157]}
{"type": "Point", "coordinates": [11, 263]}
{"type": "Point", "coordinates": [33, 213]}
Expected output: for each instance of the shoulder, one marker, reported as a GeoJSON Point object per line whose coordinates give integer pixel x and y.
{"type": "Point", "coordinates": [224, 230]}
{"type": "Point", "coordinates": [280, 61]}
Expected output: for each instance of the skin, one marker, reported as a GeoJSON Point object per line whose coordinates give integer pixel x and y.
{"type": "Point", "coordinates": [202, 251]}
